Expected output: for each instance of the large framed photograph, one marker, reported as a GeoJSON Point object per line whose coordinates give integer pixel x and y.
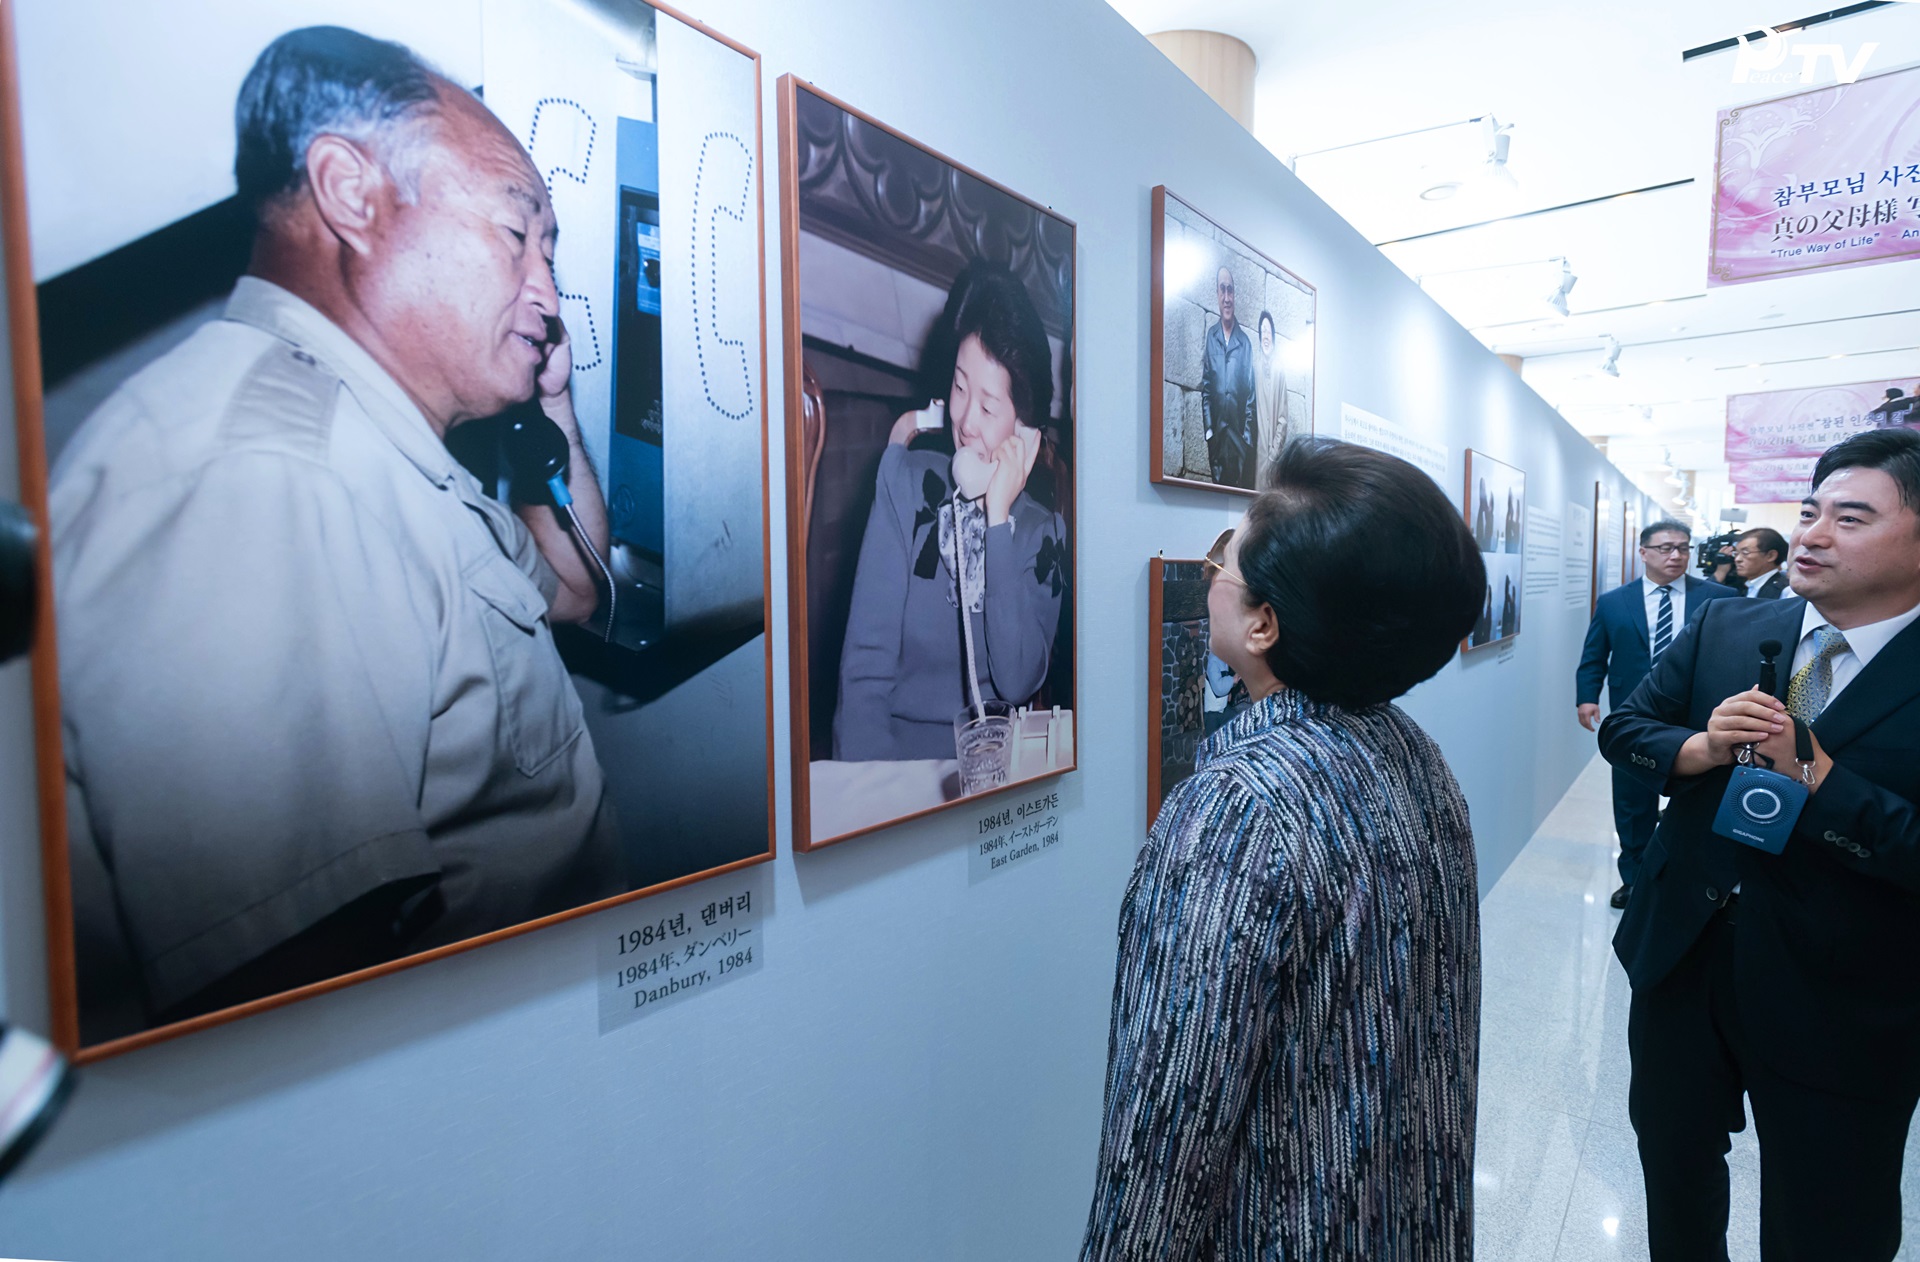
{"type": "Point", "coordinates": [403, 448]}
{"type": "Point", "coordinates": [930, 351]}
{"type": "Point", "coordinates": [1231, 352]}
{"type": "Point", "coordinates": [1191, 693]}
{"type": "Point", "coordinates": [1496, 509]}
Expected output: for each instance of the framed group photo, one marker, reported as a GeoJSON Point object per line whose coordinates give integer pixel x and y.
{"type": "Point", "coordinates": [404, 452]}
{"type": "Point", "coordinates": [931, 447]}
{"type": "Point", "coordinates": [1496, 510]}
{"type": "Point", "coordinates": [1231, 353]}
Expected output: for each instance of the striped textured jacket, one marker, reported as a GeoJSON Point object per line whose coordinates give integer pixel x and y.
{"type": "Point", "coordinates": [1296, 1015]}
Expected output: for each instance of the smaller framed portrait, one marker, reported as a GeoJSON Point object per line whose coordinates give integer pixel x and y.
{"type": "Point", "coordinates": [1231, 353]}
{"type": "Point", "coordinates": [1496, 509]}
{"type": "Point", "coordinates": [1190, 692]}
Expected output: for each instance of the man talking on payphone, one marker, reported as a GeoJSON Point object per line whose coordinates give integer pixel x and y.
{"type": "Point", "coordinates": [314, 715]}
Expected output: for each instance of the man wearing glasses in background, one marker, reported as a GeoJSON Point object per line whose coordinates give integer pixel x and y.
{"type": "Point", "coordinates": [1632, 625]}
{"type": "Point", "coordinates": [1760, 559]}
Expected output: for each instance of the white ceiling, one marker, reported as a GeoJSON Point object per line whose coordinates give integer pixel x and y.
{"type": "Point", "coordinates": [1600, 103]}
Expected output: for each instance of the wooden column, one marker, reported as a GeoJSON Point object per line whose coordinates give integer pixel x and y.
{"type": "Point", "coordinates": [1222, 65]}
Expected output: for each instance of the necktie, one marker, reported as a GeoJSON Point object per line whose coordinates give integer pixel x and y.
{"type": "Point", "coordinates": [1663, 625]}
{"type": "Point", "coordinates": [1812, 685]}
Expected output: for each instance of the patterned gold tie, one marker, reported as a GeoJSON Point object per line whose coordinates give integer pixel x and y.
{"type": "Point", "coordinates": [1812, 685]}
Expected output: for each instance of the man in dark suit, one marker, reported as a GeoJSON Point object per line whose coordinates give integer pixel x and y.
{"type": "Point", "coordinates": [1760, 560]}
{"type": "Point", "coordinates": [1790, 978]}
{"type": "Point", "coordinates": [1631, 625]}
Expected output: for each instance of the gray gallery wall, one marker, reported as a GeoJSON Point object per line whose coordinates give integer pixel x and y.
{"type": "Point", "coordinates": [915, 1071]}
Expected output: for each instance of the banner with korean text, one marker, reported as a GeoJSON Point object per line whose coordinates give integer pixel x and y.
{"type": "Point", "coordinates": [1774, 437]}
{"type": "Point", "coordinates": [1822, 179]}
{"type": "Point", "coordinates": [1783, 492]}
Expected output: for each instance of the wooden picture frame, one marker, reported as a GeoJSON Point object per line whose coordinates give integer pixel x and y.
{"type": "Point", "coordinates": [1181, 440]}
{"type": "Point", "coordinates": [1500, 534]}
{"type": "Point", "coordinates": [1182, 666]}
{"type": "Point", "coordinates": [835, 212]}
{"type": "Point", "coordinates": [26, 303]}
{"type": "Point", "coordinates": [1602, 559]}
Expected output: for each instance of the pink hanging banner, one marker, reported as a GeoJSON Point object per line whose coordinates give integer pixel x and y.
{"type": "Point", "coordinates": [1801, 424]}
{"type": "Point", "coordinates": [1791, 492]}
{"type": "Point", "coordinates": [1791, 469]}
{"type": "Point", "coordinates": [1822, 179]}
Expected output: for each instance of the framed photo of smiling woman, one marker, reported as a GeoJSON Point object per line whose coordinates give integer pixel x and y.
{"type": "Point", "coordinates": [930, 326]}
{"type": "Point", "coordinates": [402, 452]}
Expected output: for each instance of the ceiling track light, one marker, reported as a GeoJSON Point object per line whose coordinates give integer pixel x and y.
{"type": "Point", "coordinates": [1499, 144]}
{"type": "Point", "coordinates": [1611, 364]}
{"type": "Point", "coordinates": [1558, 298]}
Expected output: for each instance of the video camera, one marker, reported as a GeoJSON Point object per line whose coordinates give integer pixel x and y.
{"type": "Point", "coordinates": [1715, 552]}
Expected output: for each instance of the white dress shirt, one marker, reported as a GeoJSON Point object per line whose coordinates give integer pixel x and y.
{"type": "Point", "coordinates": [1862, 644]}
{"type": "Point", "coordinates": [1653, 606]}
{"type": "Point", "coordinates": [1755, 584]}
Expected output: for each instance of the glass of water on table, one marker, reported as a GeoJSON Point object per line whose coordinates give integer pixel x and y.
{"type": "Point", "coordinates": [983, 741]}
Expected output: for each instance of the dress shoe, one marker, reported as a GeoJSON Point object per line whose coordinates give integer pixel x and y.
{"type": "Point", "coordinates": [1619, 900]}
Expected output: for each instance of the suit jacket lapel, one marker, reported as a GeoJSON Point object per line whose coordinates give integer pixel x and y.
{"type": "Point", "coordinates": [1636, 595]}
{"type": "Point", "coordinates": [1889, 681]}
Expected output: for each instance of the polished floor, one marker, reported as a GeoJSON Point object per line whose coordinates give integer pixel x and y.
{"type": "Point", "coordinates": [1556, 1175]}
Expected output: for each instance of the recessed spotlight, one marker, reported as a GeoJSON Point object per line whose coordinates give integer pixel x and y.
{"type": "Point", "coordinates": [1753, 365]}
{"type": "Point", "coordinates": [1838, 355]}
{"type": "Point", "coordinates": [1440, 192]}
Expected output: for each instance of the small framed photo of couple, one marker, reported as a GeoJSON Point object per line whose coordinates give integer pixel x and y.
{"type": "Point", "coordinates": [1231, 353]}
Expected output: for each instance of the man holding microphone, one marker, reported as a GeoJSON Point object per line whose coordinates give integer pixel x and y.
{"type": "Point", "coordinates": [1786, 977]}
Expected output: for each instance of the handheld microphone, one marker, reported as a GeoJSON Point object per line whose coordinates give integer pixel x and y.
{"type": "Point", "coordinates": [1769, 678]}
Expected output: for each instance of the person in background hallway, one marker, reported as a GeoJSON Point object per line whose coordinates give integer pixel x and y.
{"type": "Point", "coordinates": [1632, 625]}
{"type": "Point", "coordinates": [1788, 978]}
{"type": "Point", "coordinates": [1760, 559]}
{"type": "Point", "coordinates": [1295, 1034]}
{"type": "Point", "coordinates": [1727, 573]}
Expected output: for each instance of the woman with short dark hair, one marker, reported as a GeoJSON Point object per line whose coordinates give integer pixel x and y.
{"type": "Point", "coordinates": [1295, 1034]}
{"type": "Point", "coordinates": [974, 519]}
